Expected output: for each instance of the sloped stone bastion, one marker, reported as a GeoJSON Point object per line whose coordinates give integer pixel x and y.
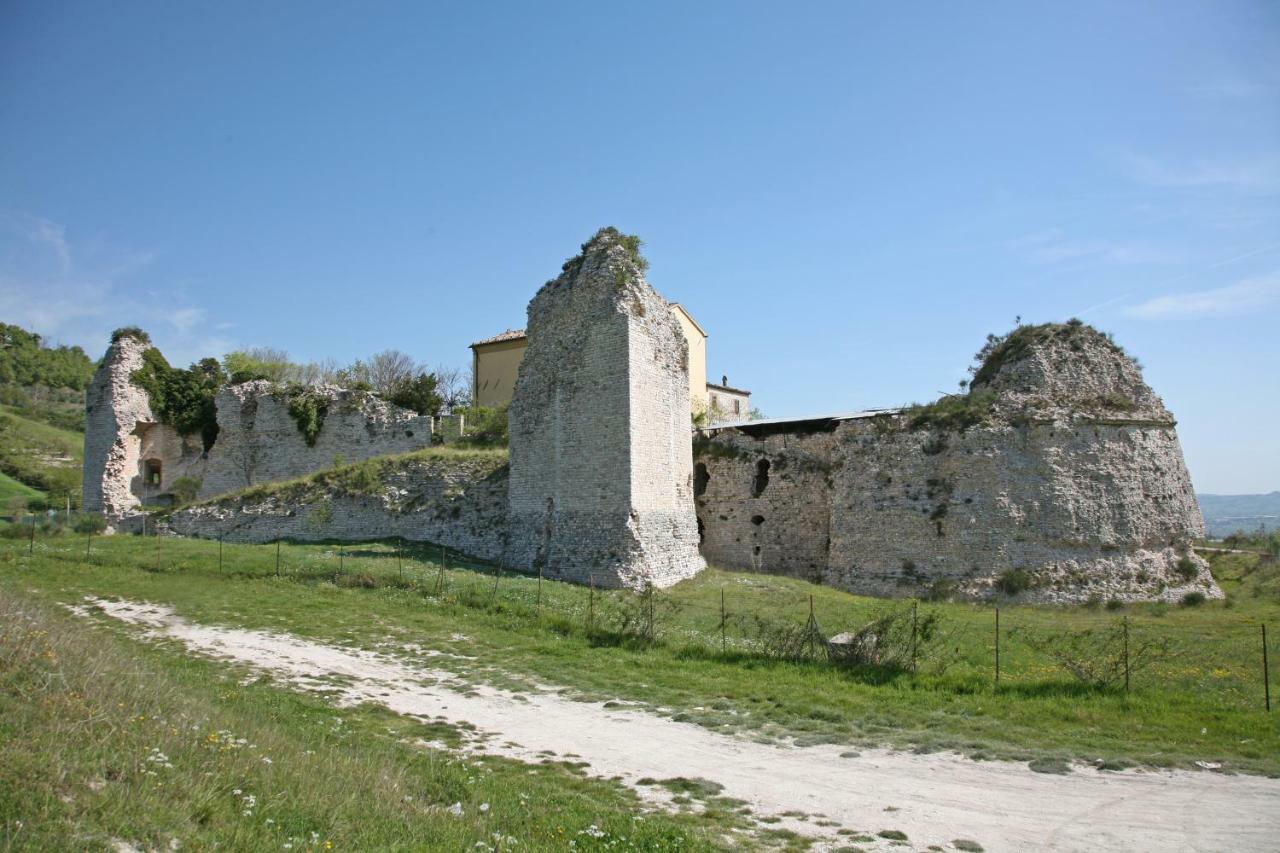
{"type": "Point", "coordinates": [1056, 478]}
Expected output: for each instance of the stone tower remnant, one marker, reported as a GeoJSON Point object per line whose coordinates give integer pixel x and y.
{"type": "Point", "coordinates": [1058, 478]}
{"type": "Point", "coordinates": [601, 483]}
{"type": "Point", "coordinates": [114, 406]}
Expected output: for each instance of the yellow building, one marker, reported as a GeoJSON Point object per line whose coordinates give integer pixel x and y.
{"type": "Point", "coordinates": [496, 361]}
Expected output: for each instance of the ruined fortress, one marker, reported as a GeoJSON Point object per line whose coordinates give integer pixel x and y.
{"type": "Point", "coordinates": [1057, 476]}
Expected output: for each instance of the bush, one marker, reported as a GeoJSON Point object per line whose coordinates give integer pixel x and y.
{"type": "Point", "coordinates": [953, 412]}
{"type": "Point", "coordinates": [184, 399]}
{"type": "Point", "coordinates": [90, 524]}
{"type": "Point", "coordinates": [1186, 568]}
{"type": "Point", "coordinates": [185, 489]}
{"type": "Point", "coordinates": [486, 427]}
{"type": "Point", "coordinates": [1115, 604]}
{"type": "Point", "coordinates": [308, 408]}
{"type": "Point", "coordinates": [130, 332]}
{"type": "Point", "coordinates": [1193, 599]}
{"type": "Point", "coordinates": [1014, 581]}
{"type": "Point", "coordinates": [1096, 656]}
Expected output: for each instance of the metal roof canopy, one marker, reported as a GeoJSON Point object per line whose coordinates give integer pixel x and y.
{"type": "Point", "coordinates": [815, 419]}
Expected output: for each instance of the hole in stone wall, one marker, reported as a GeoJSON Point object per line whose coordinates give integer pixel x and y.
{"type": "Point", "coordinates": [151, 472]}
{"type": "Point", "coordinates": [702, 531]}
{"type": "Point", "coordinates": [757, 520]}
{"type": "Point", "coordinates": [761, 479]}
{"type": "Point", "coordinates": [700, 479]}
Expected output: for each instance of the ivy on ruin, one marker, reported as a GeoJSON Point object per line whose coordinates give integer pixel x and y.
{"type": "Point", "coordinates": [183, 399]}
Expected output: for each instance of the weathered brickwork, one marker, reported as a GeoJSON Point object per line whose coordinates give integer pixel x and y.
{"type": "Point", "coordinates": [259, 440]}
{"type": "Point", "coordinates": [601, 464]}
{"type": "Point", "coordinates": [458, 503]}
{"type": "Point", "coordinates": [1087, 500]}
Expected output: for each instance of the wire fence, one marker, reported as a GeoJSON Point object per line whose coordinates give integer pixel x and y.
{"type": "Point", "coordinates": [1222, 656]}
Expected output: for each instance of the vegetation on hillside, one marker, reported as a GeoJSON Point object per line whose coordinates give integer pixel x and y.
{"type": "Point", "coordinates": [41, 382]}
{"type": "Point", "coordinates": [43, 457]}
{"type": "Point", "coordinates": [25, 359]}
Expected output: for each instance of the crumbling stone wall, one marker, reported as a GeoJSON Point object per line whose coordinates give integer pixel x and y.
{"type": "Point", "coordinates": [114, 407]}
{"type": "Point", "coordinates": [601, 464]}
{"type": "Point", "coordinates": [1075, 477]}
{"type": "Point", "coordinates": [259, 440]}
{"type": "Point", "coordinates": [458, 503]}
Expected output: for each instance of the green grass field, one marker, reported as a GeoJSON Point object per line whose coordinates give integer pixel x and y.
{"type": "Point", "coordinates": [172, 752]}
{"type": "Point", "coordinates": [1203, 702]}
{"type": "Point", "coordinates": [11, 488]}
{"type": "Point", "coordinates": [41, 456]}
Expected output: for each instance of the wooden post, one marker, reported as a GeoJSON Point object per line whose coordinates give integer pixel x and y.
{"type": "Point", "coordinates": [538, 602]}
{"type": "Point", "coordinates": [497, 573]}
{"type": "Point", "coordinates": [591, 605]}
{"type": "Point", "coordinates": [277, 558]}
{"type": "Point", "coordinates": [724, 643]}
{"type": "Point", "coordinates": [915, 623]}
{"type": "Point", "coordinates": [997, 645]}
{"type": "Point", "coordinates": [400, 559]}
{"type": "Point", "coordinates": [651, 625]}
{"type": "Point", "coordinates": [219, 555]}
{"type": "Point", "coordinates": [1266, 673]}
{"type": "Point", "coordinates": [1126, 653]}
{"type": "Point", "coordinates": [341, 561]}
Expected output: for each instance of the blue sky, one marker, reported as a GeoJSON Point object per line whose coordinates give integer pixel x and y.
{"type": "Point", "coordinates": [848, 197]}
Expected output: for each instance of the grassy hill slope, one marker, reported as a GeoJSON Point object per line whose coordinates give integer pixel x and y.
{"type": "Point", "coordinates": [43, 457]}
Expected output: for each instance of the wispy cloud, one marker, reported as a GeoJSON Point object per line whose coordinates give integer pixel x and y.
{"type": "Point", "coordinates": [1054, 246]}
{"type": "Point", "coordinates": [1257, 173]}
{"type": "Point", "coordinates": [1229, 88]}
{"type": "Point", "coordinates": [76, 290]}
{"type": "Point", "coordinates": [1246, 296]}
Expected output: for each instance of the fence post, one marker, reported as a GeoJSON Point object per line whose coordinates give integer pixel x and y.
{"type": "Point", "coordinates": [497, 573]}
{"type": "Point", "coordinates": [724, 643]}
{"type": "Point", "coordinates": [997, 645]}
{"type": "Point", "coordinates": [277, 558]}
{"type": "Point", "coordinates": [1266, 673]}
{"type": "Point", "coordinates": [440, 579]}
{"type": "Point", "coordinates": [157, 535]}
{"type": "Point", "coordinates": [591, 605]}
{"type": "Point", "coordinates": [915, 623]}
{"type": "Point", "coordinates": [341, 560]}
{"type": "Point", "coordinates": [538, 603]}
{"type": "Point", "coordinates": [1126, 653]}
{"type": "Point", "coordinates": [220, 554]}
{"type": "Point", "coordinates": [400, 559]}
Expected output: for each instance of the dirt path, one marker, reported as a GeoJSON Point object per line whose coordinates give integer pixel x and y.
{"type": "Point", "coordinates": [934, 799]}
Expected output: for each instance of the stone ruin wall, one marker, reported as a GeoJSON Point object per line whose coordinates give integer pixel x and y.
{"type": "Point", "coordinates": [259, 441]}
{"type": "Point", "coordinates": [1090, 504]}
{"type": "Point", "coordinates": [114, 407]}
{"type": "Point", "coordinates": [461, 504]}
{"type": "Point", "coordinates": [601, 463]}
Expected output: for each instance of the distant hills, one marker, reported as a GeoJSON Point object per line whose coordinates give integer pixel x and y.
{"type": "Point", "coordinates": [1225, 514]}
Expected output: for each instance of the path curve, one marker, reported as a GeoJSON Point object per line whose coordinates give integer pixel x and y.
{"type": "Point", "coordinates": [933, 798]}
